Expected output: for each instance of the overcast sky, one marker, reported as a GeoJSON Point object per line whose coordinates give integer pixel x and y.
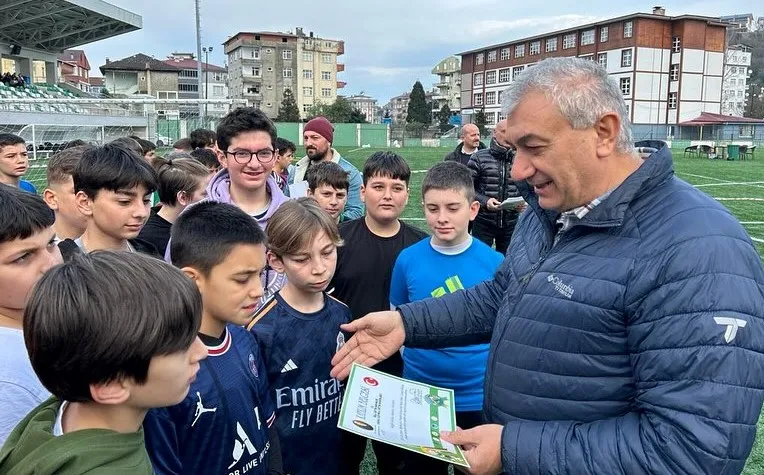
{"type": "Point", "coordinates": [388, 44]}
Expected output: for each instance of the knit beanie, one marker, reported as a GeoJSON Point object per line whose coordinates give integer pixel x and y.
{"type": "Point", "coordinates": [322, 127]}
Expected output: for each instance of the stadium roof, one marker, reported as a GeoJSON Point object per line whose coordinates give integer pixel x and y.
{"type": "Point", "coordinates": [56, 25]}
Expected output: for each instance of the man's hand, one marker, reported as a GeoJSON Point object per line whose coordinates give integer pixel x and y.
{"type": "Point", "coordinates": [521, 207]}
{"type": "Point", "coordinates": [481, 446]}
{"type": "Point", "coordinates": [492, 204]}
{"type": "Point", "coordinates": [377, 336]}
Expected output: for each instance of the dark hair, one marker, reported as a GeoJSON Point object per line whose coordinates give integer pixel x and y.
{"type": "Point", "coordinates": [10, 139]}
{"type": "Point", "coordinates": [61, 165]}
{"type": "Point", "coordinates": [129, 143]}
{"type": "Point", "coordinates": [386, 164]}
{"type": "Point", "coordinates": [282, 145]}
{"type": "Point", "coordinates": [296, 224]}
{"type": "Point", "coordinates": [112, 167]}
{"type": "Point", "coordinates": [183, 144]}
{"type": "Point", "coordinates": [75, 143]}
{"type": "Point", "coordinates": [22, 214]}
{"type": "Point", "coordinates": [146, 145]}
{"type": "Point", "coordinates": [449, 175]}
{"type": "Point", "coordinates": [243, 119]}
{"type": "Point", "coordinates": [327, 173]}
{"type": "Point", "coordinates": [204, 235]}
{"type": "Point", "coordinates": [206, 157]}
{"type": "Point", "coordinates": [99, 318]}
{"type": "Point", "coordinates": [178, 175]}
{"type": "Point", "coordinates": [201, 138]}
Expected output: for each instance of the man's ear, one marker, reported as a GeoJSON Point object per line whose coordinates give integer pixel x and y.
{"type": "Point", "coordinates": [275, 262]}
{"type": "Point", "coordinates": [112, 393]}
{"type": "Point", "coordinates": [84, 203]}
{"type": "Point", "coordinates": [608, 128]}
{"type": "Point", "coordinates": [51, 199]}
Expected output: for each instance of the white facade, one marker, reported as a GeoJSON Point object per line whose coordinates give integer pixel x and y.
{"type": "Point", "coordinates": [367, 105]}
{"type": "Point", "coordinates": [735, 82]}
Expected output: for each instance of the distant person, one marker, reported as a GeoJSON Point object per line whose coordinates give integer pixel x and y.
{"type": "Point", "coordinates": [202, 138]}
{"type": "Point", "coordinates": [75, 143]}
{"type": "Point", "coordinates": [182, 145]}
{"type": "Point", "coordinates": [328, 184]}
{"type": "Point", "coordinates": [284, 157]}
{"type": "Point", "coordinates": [14, 162]}
{"type": "Point", "coordinates": [148, 148]}
{"type": "Point", "coordinates": [318, 135]}
{"type": "Point", "coordinates": [59, 195]}
{"type": "Point", "coordinates": [470, 144]}
{"type": "Point", "coordinates": [208, 158]}
{"type": "Point", "coordinates": [129, 143]}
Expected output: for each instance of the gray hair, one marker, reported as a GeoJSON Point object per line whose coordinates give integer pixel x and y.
{"type": "Point", "coordinates": [581, 89]}
{"type": "Point", "coordinates": [179, 154]}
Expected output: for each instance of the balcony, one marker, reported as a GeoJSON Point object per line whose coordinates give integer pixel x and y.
{"type": "Point", "coordinates": [340, 48]}
{"type": "Point", "coordinates": [249, 59]}
{"type": "Point", "coordinates": [340, 67]}
{"type": "Point", "coordinates": [341, 84]}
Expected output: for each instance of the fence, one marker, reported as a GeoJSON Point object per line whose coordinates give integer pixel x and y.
{"type": "Point", "coordinates": [345, 135]}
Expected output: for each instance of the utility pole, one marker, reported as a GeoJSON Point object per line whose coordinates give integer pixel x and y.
{"type": "Point", "coordinates": [202, 115]}
{"type": "Point", "coordinates": [207, 50]}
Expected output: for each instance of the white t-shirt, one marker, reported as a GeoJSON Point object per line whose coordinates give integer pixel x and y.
{"type": "Point", "coordinates": [20, 390]}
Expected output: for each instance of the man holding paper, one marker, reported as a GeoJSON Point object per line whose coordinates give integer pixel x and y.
{"type": "Point", "coordinates": [627, 320]}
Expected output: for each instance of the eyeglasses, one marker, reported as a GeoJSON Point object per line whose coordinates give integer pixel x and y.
{"type": "Point", "coordinates": [243, 157]}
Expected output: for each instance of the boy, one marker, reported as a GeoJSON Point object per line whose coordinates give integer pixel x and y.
{"type": "Point", "coordinates": [113, 188]}
{"type": "Point", "coordinates": [449, 261]}
{"type": "Point", "coordinates": [14, 162]}
{"type": "Point", "coordinates": [224, 424]}
{"type": "Point", "coordinates": [26, 252]}
{"type": "Point", "coordinates": [365, 265]}
{"type": "Point", "coordinates": [147, 147]}
{"type": "Point", "coordinates": [108, 346]}
{"type": "Point", "coordinates": [208, 158]}
{"type": "Point", "coordinates": [299, 331]}
{"type": "Point", "coordinates": [202, 138]}
{"type": "Point", "coordinates": [59, 195]}
{"type": "Point", "coordinates": [328, 184]}
{"type": "Point", "coordinates": [284, 156]}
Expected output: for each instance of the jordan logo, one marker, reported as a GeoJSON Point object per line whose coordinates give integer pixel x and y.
{"type": "Point", "coordinates": [289, 366]}
{"type": "Point", "coordinates": [240, 444]}
{"type": "Point", "coordinates": [200, 409]}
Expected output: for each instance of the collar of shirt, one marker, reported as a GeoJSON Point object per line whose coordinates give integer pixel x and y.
{"type": "Point", "coordinates": [568, 218]}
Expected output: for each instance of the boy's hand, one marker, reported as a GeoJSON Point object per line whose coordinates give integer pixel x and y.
{"type": "Point", "coordinates": [377, 336]}
{"type": "Point", "coordinates": [481, 446]}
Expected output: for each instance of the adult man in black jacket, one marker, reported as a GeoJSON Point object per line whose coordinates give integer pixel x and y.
{"type": "Point", "coordinates": [490, 171]}
{"type": "Point", "coordinates": [470, 144]}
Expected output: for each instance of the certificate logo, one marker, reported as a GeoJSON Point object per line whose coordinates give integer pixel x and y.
{"type": "Point", "coordinates": [434, 400]}
{"type": "Point", "coordinates": [371, 381]}
{"type": "Point", "coordinates": [363, 425]}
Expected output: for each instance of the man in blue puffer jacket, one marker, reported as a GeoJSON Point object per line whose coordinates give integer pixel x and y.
{"type": "Point", "coordinates": [627, 320]}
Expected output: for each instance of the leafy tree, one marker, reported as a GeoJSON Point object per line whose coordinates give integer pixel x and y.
{"type": "Point", "coordinates": [443, 116]}
{"type": "Point", "coordinates": [357, 117]}
{"type": "Point", "coordinates": [339, 111]}
{"type": "Point", "coordinates": [480, 121]}
{"type": "Point", "coordinates": [418, 111]}
{"type": "Point", "coordinates": [288, 112]}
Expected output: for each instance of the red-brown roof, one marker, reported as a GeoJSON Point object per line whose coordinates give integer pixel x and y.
{"type": "Point", "coordinates": [192, 63]}
{"type": "Point", "coordinates": [709, 118]}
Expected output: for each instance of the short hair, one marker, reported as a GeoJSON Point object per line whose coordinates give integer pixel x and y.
{"type": "Point", "coordinates": [296, 224]}
{"type": "Point", "coordinates": [75, 143]}
{"type": "Point", "coordinates": [243, 119]}
{"type": "Point", "coordinates": [201, 138]}
{"type": "Point", "coordinates": [206, 157]}
{"type": "Point", "coordinates": [327, 173]}
{"type": "Point", "coordinates": [178, 175]}
{"type": "Point", "coordinates": [449, 175]}
{"type": "Point", "coordinates": [206, 233]}
{"type": "Point", "coordinates": [146, 145]}
{"type": "Point", "coordinates": [114, 168]}
{"type": "Point", "coordinates": [174, 156]}
{"type": "Point", "coordinates": [10, 139]}
{"type": "Point", "coordinates": [282, 145]}
{"type": "Point", "coordinates": [581, 90]}
{"type": "Point", "coordinates": [183, 144]}
{"type": "Point", "coordinates": [22, 214]}
{"type": "Point", "coordinates": [387, 164]}
{"type": "Point", "coordinates": [61, 165]}
{"type": "Point", "coordinates": [100, 318]}
{"type": "Point", "coordinates": [129, 143]}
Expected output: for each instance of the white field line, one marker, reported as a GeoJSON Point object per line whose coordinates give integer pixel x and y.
{"type": "Point", "coordinates": [737, 199]}
{"type": "Point", "coordinates": [752, 223]}
{"type": "Point", "coordinates": [741, 183]}
{"type": "Point", "coordinates": [706, 177]}
{"type": "Point", "coordinates": [760, 241]}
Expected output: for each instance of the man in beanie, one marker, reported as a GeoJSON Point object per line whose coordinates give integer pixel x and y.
{"type": "Point", "coordinates": [318, 135]}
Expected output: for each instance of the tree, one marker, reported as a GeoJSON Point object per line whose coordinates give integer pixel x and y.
{"type": "Point", "coordinates": [357, 117]}
{"type": "Point", "coordinates": [418, 111]}
{"type": "Point", "coordinates": [339, 112]}
{"type": "Point", "coordinates": [480, 121]}
{"type": "Point", "coordinates": [318, 109]}
{"type": "Point", "coordinates": [288, 112]}
{"type": "Point", "coordinates": [105, 92]}
{"type": "Point", "coordinates": [443, 116]}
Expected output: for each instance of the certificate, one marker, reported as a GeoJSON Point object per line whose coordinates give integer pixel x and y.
{"type": "Point", "coordinates": [511, 203]}
{"type": "Point", "coordinates": [400, 412]}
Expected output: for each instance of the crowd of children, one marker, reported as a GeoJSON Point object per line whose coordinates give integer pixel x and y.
{"type": "Point", "coordinates": [196, 335]}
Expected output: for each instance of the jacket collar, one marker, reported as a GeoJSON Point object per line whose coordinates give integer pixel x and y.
{"type": "Point", "coordinates": [499, 152]}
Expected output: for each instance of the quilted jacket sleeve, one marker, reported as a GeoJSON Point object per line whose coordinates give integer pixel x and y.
{"type": "Point", "coordinates": [695, 331]}
{"type": "Point", "coordinates": [465, 317]}
{"type": "Point", "coordinates": [475, 165]}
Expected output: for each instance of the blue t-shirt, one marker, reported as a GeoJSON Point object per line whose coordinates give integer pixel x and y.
{"type": "Point", "coordinates": [221, 427]}
{"type": "Point", "coordinates": [298, 349]}
{"type": "Point", "coordinates": [27, 186]}
{"type": "Point", "coordinates": [422, 272]}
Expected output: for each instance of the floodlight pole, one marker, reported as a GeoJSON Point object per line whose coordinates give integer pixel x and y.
{"type": "Point", "coordinates": [199, 58]}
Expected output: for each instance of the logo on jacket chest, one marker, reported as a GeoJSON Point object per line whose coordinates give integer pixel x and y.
{"type": "Point", "coordinates": [560, 287]}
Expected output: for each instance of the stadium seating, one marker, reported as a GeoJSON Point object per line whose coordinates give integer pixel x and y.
{"type": "Point", "coordinates": [39, 91]}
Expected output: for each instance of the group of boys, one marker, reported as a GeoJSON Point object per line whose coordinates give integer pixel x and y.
{"type": "Point", "coordinates": [219, 360]}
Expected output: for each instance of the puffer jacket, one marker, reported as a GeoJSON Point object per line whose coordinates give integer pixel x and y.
{"type": "Point", "coordinates": [632, 345]}
{"type": "Point", "coordinates": [490, 169]}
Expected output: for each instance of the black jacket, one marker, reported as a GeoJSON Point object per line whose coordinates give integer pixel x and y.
{"type": "Point", "coordinates": [490, 172]}
{"type": "Point", "coordinates": [458, 156]}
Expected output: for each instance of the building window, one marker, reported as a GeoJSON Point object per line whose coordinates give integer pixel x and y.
{"type": "Point", "coordinates": [326, 75]}
{"type": "Point", "coordinates": [516, 71]}
{"type": "Point", "coordinates": [490, 98]}
{"type": "Point", "coordinates": [626, 58]}
{"type": "Point", "coordinates": [328, 44]}
{"type": "Point", "coordinates": [628, 29]}
{"type": "Point", "coordinates": [534, 47]}
{"type": "Point", "coordinates": [603, 34]}
{"type": "Point", "coordinates": [288, 72]}
{"type": "Point", "coordinates": [188, 87]}
{"type": "Point", "coordinates": [307, 73]}
{"type": "Point", "coordinates": [490, 77]}
{"type": "Point", "coordinates": [504, 75]}
{"type": "Point", "coordinates": [188, 73]}
{"type": "Point", "coordinates": [733, 82]}
{"type": "Point", "coordinates": [587, 37]}
{"type": "Point", "coordinates": [490, 118]}
{"type": "Point", "coordinates": [253, 90]}
{"type": "Point", "coordinates": [676, 44]}
{"type": "Point", "coordinates": [674, 72]}
{"type": "Point", "coordinates": [256, 72]}
{"type": "Point", "coordinates": [309, 42]}
{"type": "Point", "coordinates": [672, 100]}
{"type": "Point", "coordinates": [746, 131]}
{"type": "Point", "coordinates": [326, 92]}
{"type": "Point", "coordinates": [306, 108]}
{"type": "Point", "coordinates": [504, 54]}
{"type": "Point", "coordinates": [626, 86]}
{"type": "Point", "coordinates": [492, 56]}
{"type": "Point", "coordinates": [569, 41]}
{"type": "Point", "coordinates": [326, 58]}
{"type": "Point", "coordinates": [602, 59]}
{"type": "Point", "coordinates": [588, 57]}
{"type": "Point", "coordinates": [478, 81]}
{"type": "Point", "coordinates": [307, 56]}
{"type": "Point", "coordinates": [519, 51]}
{"type": "Point", "coordinates": [551, 44]}
{"type": "Point", "coordinates": [479, 59]}
{"type": "Point", "coordinates": [217, 90]}
{"type": "Point", "coordinates": [477, 99]}
{"type": "Point", "coordinates": [286, 54]}
{"type": "Point", "coordinates": [307, 91]}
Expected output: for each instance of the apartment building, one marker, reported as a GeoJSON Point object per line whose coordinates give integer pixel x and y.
{"type": "Point", "coordinates": [141, 74]}
{"type": "Point", "coordinates": [214, 82]}
{"type": "Point", "coordinates": [261, 65]}
{"type": "Point", "coordinates": [73, 68]}
{"type": "Point", "coordinates": [737, 70]}
{"type": "Point", "coordinates": [669, 69]}
{"type": "Point", "coordinates": [743, 22]}
{"type": "Point", "coordinates": [367, 105]}
{"type": "Point", "coordinates": [448, 89]}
